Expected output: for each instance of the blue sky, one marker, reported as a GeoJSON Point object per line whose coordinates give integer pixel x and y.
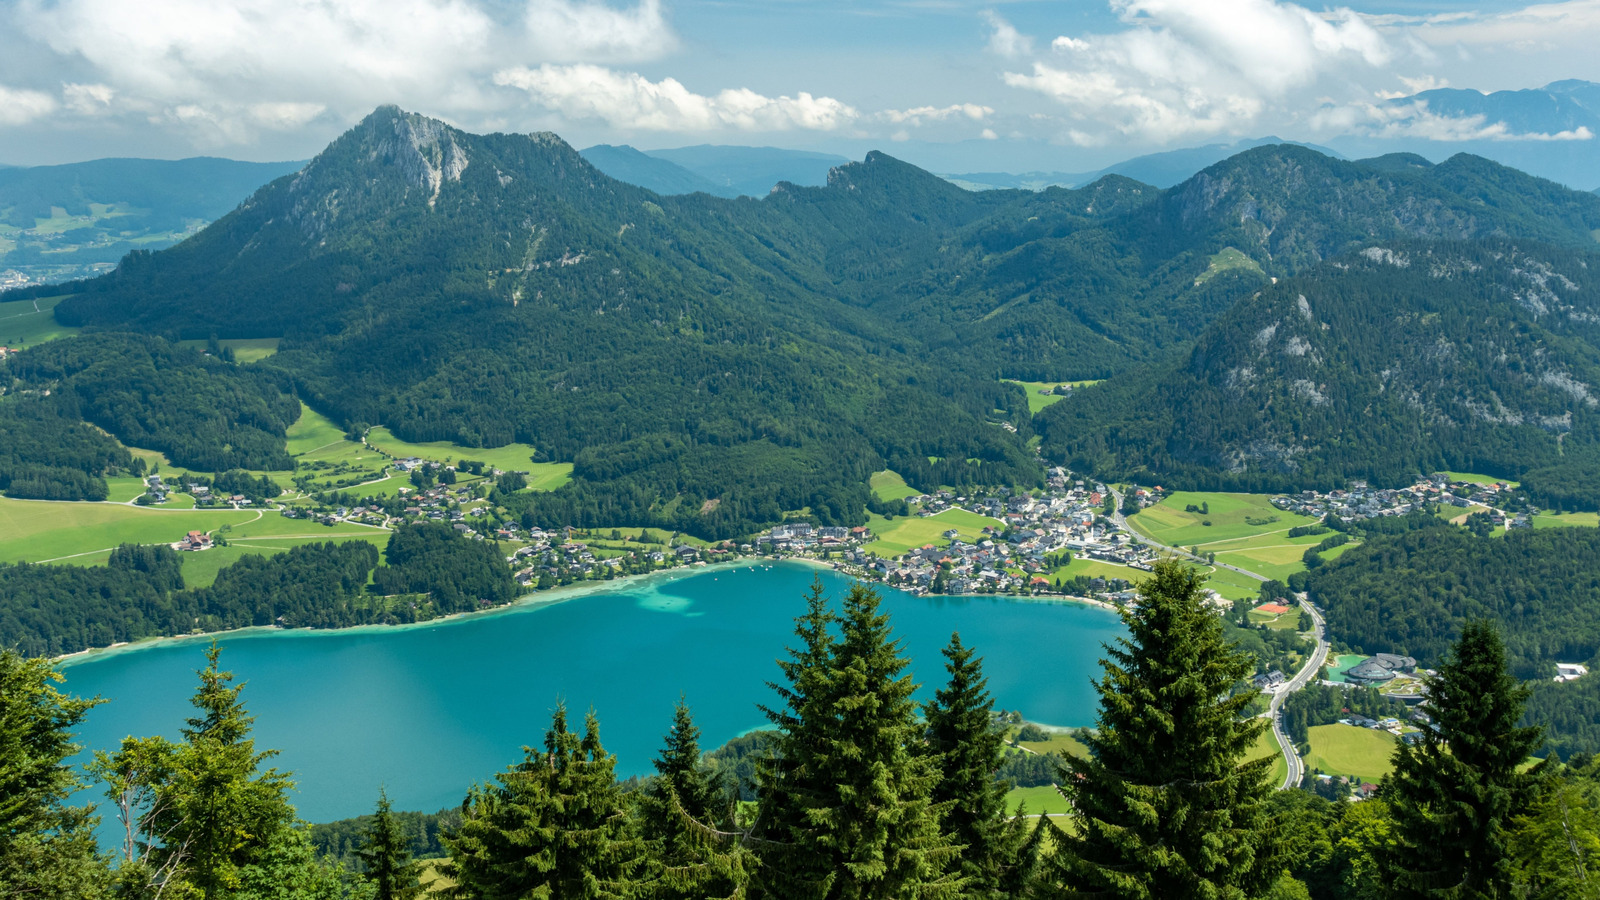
{"type": "Point", "coordinates": [962, 84]}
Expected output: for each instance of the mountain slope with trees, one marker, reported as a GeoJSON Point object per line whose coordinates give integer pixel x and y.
{"type": "Point", "coordinates": [709, 364]}
{"type": "Point", "coordinates": [1382, 364]}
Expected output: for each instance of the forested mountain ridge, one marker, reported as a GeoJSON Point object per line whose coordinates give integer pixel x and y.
{"type": "Point", "coordinates": [1381, 364]}
{"type": "Point", "coordinates": [708, 364]}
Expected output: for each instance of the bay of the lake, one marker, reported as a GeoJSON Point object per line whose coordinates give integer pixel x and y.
{"type": "Point", "coordinates": [424, 711]}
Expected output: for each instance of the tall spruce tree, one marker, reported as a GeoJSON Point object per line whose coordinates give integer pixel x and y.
{"type": "Point", "coordinates": [47, 847]}
{"type": "Point", "coordinates": [792, 779]}
{"type": "Point", "coordinates": [680, 814]}
{"type": "Point", "coordinates": [202, 816]}
{"type": "Point", "coordinates": [387, 857]}
{"type": "Point", "coordinates": [1166, 807]}
{"type": "Point", "coordinates": [858, 818]}
{"type": "Point", "coordinates": [553, 827]}
{"type": "Point", "coordinates": [967, 746]}
{"type": "Point", "coordinates": [1454, 793]}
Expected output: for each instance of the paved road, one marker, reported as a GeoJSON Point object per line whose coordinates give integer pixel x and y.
{"type": "Point", "coordinates": [1300, 680]}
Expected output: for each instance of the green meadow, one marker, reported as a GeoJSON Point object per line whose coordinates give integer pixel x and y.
{"type": "Point", "coordinates": [511, 457]}
{"type": "Point", "coordinates": [1226, 259]}
{"type": "Point", "coordinates": [24, 323]}
{"type": "Point", "coordinates": [1362, 753]}
{"type": "Point", "coordinates": [896, 536]}
{"type": "Point", "coordinates": [1245, 530]}
{"type": "Point", "coordinates": [245, 350]}
{"type": "Point", "coordinates": [1038, 401]}
{"type": "Point", "coordinates": [40, 530]}
{"type": "Point", "coordinates": [888, 485]}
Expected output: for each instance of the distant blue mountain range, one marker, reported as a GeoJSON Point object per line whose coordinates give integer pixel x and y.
{"type": "Point", "coordinates": [720, 170]}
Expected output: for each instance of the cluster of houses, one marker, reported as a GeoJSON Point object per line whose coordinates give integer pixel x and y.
{"type": "Point", "coordinates": [1362, 502]}
{"type": "Point", "coordinates": [1035, 533]}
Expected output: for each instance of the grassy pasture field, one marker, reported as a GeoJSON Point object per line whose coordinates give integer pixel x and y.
{"type": "Point", "coordinates": [312, 431]}
{"type": "Point", "coordinates": [1267, 745]}
{"type": "Point", "coordinates": [1169, 523]}
{"type": "Point", "coordinates": [24, 323]}
{"type": "Point", "coordinates": [1347, 750]}
{"type": "Point", "coordinates": [511, 457]}
{"type": "Point", "coordinates": [38, 530]}
{"type": "Point", "coordinates": [1038, 401]}
{"type": "Point", "coordinates": [245, 350]}
{"type": "Point", "coordinates": [1475, 478]}
{"type": "Point", "coordinates": [1225, 259]}
{"type": "Point", "coordinates": [123, 488]}
{"type": "Point", "coordinates": [1061, 742]}
{"type": "Point", "coordinates": [1566, 520]}
{"type": "Point", "coordinates": [1246, 530]}
{"type": "Point", "coordinates": [200, 569]}
{"type": "Point", "coordinates": [896, 536]}
{"type": "Point", "coordinates": [888, 485]}
{"type": "Point", "coordinates": [1041, 800]}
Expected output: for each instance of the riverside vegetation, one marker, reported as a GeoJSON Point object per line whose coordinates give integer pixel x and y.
{"type": "Point", "coordinates": [854, 794]}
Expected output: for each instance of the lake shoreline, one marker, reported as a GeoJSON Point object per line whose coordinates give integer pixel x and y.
{"type": "Point", "coordinates": [530, 601]}
{"type": "Point", "coordinates": [535, 600]}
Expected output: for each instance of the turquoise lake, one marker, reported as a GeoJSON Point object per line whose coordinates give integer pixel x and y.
{"type": "Point", "coordinates": [425, 711]}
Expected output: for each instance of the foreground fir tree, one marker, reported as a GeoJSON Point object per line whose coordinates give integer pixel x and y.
{"type": "Point", "coordinates": [47, 848]}
{"type": "Point", "coordinates": [553, 827]}
{"type": "Point", "coordinates": [387, 857]}
{"type": "Point", "coordinates": [1455, 793]}
{"type": "Point", "coordinates": [201, 818]}
{"type": "Point", "coordinates": [968, 747]}
{"type": "Point", "coordinates": [684, 817]}
{"type": "Point", "coordinates": [846, 809]}
{"type": "Point", "coordinates": [1166, 807]}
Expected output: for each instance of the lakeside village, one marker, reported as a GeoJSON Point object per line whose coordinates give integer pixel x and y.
{"type": "Point", "coordinates": [1023, 546]}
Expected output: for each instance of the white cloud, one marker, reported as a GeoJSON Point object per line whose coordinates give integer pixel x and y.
{"type": "Point", "coordinates": [88, 99]}
{"type": "Point", "coordinates": [19, 106]}
{"type": "Point", "coordinates": [230, 68]}
{"type": "Point", "coordinates": [1183, 68]}
{"type": "Point", "coordinates": [920, 114]}
{"type": "Point", "coordinates": [1416, 120]}
{"type": "Point", "coordinates": [1005, 40]}
{"type": "Point", "coordinates": [628, 100]}
{"type": "Point", "coordinates": [563, 31]}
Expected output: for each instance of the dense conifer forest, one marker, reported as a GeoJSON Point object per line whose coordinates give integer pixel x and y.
{"type": "Point", "coordinates": [709, 364]}
{"type": "Point", "coordinates": [49, 610]}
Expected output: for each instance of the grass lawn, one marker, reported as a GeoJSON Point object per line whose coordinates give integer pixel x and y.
{"type": "Point", "coordinates": [312, 431]}
{"type": "Point", "coordinates": [1566, 520]}
{"type": "Point", "coordinates": [1169, 523]}
{"type": "Point", "coordinates": [511, 457]}
{"type": "Point", "coordinates": [896, 536]}
{"type": "Point", "coordinates": [24, 323]}
{"type": "Point", "coordinates": [245, 350]}
{"type": "Point", "coordinates": [1272, 555]}
{"type": "Point", "coordinates": [1231, 584]}
{"type": "Point", "coordinates": [888, 485]}
{"type": "Point", "coordinates": [1336, 552]}
{"type": "Point", "coordinates": [1480, 479]}
{"type": "Point", "coordinates": [1267, 745]}
{"type": "Point", "coordinates": [40, 530]}
{"type": "Point", "coordinates": [1347, 750]}
{"type": "Point", "coordinates": [122, 488]}
{"type": "Point", "coordinates": [1225, 259]}
{"type": "Point", "coordinates": [1060, 742]}
{"type": "Point", "coordinates": [1094, 568]}
{"type": "Point", "coordinates": [1038, 401]}
{"type": "Point", "coordinates": [1042, 800]}
{"type": "Point", "coordinates": [200, 569]}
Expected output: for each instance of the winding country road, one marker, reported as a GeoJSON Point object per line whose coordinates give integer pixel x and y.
{"type": "Point", "coordinates": [1296, 767]}
{"type": "Point", "coordinates": [1301, 679]}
